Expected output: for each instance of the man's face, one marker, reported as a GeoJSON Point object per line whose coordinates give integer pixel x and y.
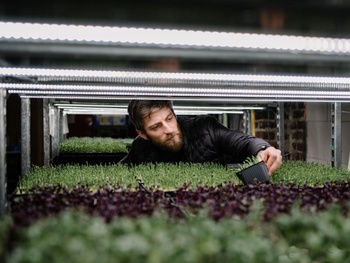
{"type": "Point", "coordinates": [163, 130]}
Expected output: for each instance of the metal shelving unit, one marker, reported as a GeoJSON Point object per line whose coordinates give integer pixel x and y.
{"type": "Point", "coordinates": [188, 89]}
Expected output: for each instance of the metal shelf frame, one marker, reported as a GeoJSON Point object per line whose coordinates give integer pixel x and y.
{"type": "Point", "coordinates": [218, 89]}
{"type": "Point", "coordinates": [336, 134]}
{"type": "Point", "coordinates": [3, 182]}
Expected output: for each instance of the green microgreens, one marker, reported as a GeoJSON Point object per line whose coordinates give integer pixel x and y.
{"type": "Point", "coordinates": [94, 145]}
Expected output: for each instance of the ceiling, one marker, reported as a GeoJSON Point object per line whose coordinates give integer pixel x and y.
{"type": "Point", "coordinates": [321, 17]}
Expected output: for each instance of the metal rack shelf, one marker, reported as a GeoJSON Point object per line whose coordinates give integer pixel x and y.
{"type": "Point", "coordinates": [186, 89]}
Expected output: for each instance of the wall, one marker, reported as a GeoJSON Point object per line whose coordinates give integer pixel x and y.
{"type": "Point", "coordinates": [307, 131]}
{"type": "Point", "coordinates": [319, 133]}
{"type": "Point", "coordinates": [294, 129]}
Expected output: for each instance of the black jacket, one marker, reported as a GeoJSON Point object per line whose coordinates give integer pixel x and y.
{"type": "Point", "coordinates": [205, 140]}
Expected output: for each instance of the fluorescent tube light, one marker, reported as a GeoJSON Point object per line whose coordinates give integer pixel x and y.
{"type": "Point", "coordinates": [169, 37]}
{"type": "Point", "coordinates": [176, 77]}
{"type": "Point", "coordinates": [174, 91]}
{"type": "Point", "coordinates": [116, 106]}
{"type": "Point", "coordinates": [209, 94]}
{"type": "Point", "coordinates": [124, 112]}
{"type": "Point", "coordinates": [186, 99]}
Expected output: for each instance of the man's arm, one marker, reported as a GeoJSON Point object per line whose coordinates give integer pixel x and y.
{"type": "Point", "coordinates": [243, 145]}
{"type": "Point", "coordinates": [233, 142]}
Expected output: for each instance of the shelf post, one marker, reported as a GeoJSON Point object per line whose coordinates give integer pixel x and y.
{"type": "Point", "coordinates": [61, 126]}
{"type": "Point", "coordinates": [54, 131]}
{"type": "Point", "coordinates": [25, 136]}
{"type": "Point", "coordinates": [46, 131]}
{"type": "Point", "coordinates": [247, 122]}
{"type": "Point", "coordinates": [3, 179]}
{"type": "Point", "coordinates": [280, 128]}
{"type": "Point", "coordinates": [336, 126]}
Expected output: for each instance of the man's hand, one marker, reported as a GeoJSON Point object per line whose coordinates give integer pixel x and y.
{"type": "Point", "coordinates": [272, 158]}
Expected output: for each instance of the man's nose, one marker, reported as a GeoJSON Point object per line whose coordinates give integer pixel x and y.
{"type": "Point", "coordinates": [167, 128]}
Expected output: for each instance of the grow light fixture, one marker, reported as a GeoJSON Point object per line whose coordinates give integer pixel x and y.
{"type": "Point", "coordinates": [184, 99]}
{"type": "Point", "coordinates": [176, 107]}
{"type": "Point", "coordinates": [127, 85]}
{"type": "Point", "coordinates": [88, 106]}
{"type": "Point", "coordinates": [124, 112]}
{"type": "Point", "coordinates": [210, 95]}
{"type": "Point", "coordinates": [127, 36]}
{"type": "Point", "coordinates": [274, 91]}
{"type": "Point", "coordinates": [179, 77]}
{"type": "Point", "coordinates": [266, 97]}
{"type": "Point", "coordinates": [96, 111]}
{"type": "Point", "coordinates": [122, 109]}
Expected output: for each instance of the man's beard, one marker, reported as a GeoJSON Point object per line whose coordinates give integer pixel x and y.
{"type": "Point", "coordinates": [171, 146]}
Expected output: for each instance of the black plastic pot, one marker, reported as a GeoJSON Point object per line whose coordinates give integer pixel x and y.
{"type": "Point", "coordinates": [256, 173]}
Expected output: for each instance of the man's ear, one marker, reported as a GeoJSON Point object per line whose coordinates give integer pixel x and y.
{"type": "Point", "coordinates": [142, 134]}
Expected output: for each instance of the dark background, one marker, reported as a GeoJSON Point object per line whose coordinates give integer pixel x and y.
{"type": "Point", "coordinates": [311, 17]}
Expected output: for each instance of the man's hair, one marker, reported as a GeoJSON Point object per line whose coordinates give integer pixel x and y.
{"type": "Point", "coordinates": [139, 109]}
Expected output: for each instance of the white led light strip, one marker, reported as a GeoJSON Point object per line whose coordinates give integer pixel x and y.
{"type": "Point", "coordinates": [274, 94]}
{"type": "Point", "coordinates": [169, 91]}
{"type": "Point", "coordinates": [114, 106]}
{"type": "Point", "coordinates": [196, 99]}
{"type": "Point", "coordinates": [169, 37]}
{"type": "Point", "coordinates": [95, 111]}
{"type": "Point", "coordinates": [177, 77]}
{"type": "Point", "coordinates": [124, 111]}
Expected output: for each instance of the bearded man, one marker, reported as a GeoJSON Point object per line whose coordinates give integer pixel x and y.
{"type": "Point", "coordinates": [165, 137]}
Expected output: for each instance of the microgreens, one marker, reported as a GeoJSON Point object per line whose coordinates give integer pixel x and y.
{"type": "Point", "coordinates": [94, 145]}
{"type": "Point", "coordinates": [60, 211]}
